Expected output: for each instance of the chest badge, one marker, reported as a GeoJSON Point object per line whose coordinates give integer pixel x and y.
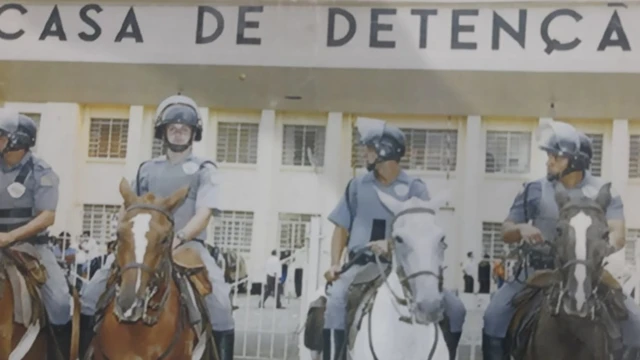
{"type": "Point", "coordinates": [16, 190]}
{"type": "Point", "coordinates": [401, 189]}
{"type": "Point", "coordinates": [190, 167]}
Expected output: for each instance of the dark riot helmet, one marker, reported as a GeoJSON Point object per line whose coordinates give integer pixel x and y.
{"type": "Point", "coordinates": [20, 130]}
{"type": "Point", "coordinates": [178, 109]}
{"type": "Point", "coordinates": [388, 141]}
{"type": "Point", "coordinates": [561, 139]}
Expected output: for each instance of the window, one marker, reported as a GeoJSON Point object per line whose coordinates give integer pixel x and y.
{"type": "Point", "coordinates": [108, 138]}
{"type": "Point", "coordinates": [508, 152]}
{"type": "Point", "coordinates": [292, 230]}
{"type": "Point", "coordinates": [97, 219]}
{"type": "Point", "coordinates": [232, 230]}
{"type": "Point", "coordinates": [492, 243]}
{"type": "Point", "coordinates": [427, 149]}
{"type": "Point", "coordinates": [158, 148]}
{"type": "Point", "coordinates": [237, 143]}
{"type": "Point", "coordinates": [298, 140]}
{"type": "Point", "coordinates": [596, 160]}
{"type": "Point", "coordinates": [634, 156]}
{"type": "Point", "coordinates": [630, 247]}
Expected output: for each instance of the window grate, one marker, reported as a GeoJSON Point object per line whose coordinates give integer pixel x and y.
{"type": "Point", "coordinates": [237, 143]}
{"type": "Point", "coordinates": [292, 230]}
{"type": "Point", "coordinates": [297, 139]}
{"type": "Point", "coordinates": [97, 219]}
{"type": "Point", "coordinates": [492, 243]}
{"type": "Point", "coordinates": [108, 138]}
{"type": "Point", "coordinates": [508, 152]}
{"type": "Point", "coordinates": [233, 230]}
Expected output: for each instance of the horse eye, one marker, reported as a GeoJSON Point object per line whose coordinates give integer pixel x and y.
{"type": "Point", "coordinates": [559, 231]}
{"type": "Point", "coordinates": [399, 239]}
{"type": "Point", "coordinates": [605, 235]}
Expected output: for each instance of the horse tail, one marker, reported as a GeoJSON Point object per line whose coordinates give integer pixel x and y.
{"type": "Point", "coordinates": [75, 326]}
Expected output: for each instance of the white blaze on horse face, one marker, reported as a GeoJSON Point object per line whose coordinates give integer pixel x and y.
{"type": "Point", "coordinates": [580, 224]}
{"type": "Point", "coordinates": [141, 225]}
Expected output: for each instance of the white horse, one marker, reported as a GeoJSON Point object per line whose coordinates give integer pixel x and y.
{"type": "Point", "coordinates": [403, 322]}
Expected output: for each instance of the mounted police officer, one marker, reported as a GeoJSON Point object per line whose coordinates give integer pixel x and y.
{"type": "Point", "coordinates": [569, 155]}
{"type": "Point", "coordinates": [178, 124]}
{"type": "Point", "coordinates": [28, 208]}
{"type": "Point", "coordinates": [361, 220]}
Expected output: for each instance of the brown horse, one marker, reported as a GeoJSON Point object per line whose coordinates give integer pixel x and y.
{"type": "Point", "coordinates": [24, 331]}
{"type": "Point", "coordinates": [572, 312]}
{"type": "Point", "coordinates": [142, 314]}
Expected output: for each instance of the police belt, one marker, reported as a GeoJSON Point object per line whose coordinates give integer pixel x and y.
{"type": "Point", "coordinates": [365, 258]}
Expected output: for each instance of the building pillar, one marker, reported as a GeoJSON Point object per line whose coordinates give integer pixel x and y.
{"type": "Point", "coordinates": [136, 151]}
{"type": "Point", "coordinates": [619, 160]}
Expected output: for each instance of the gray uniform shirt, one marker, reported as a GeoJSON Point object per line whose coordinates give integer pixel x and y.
{"type": "Point", "coordinates": [163, 178]}
{"type": "Point", "coordinates": [364, 215]}
{"type": "Point", "coordinates": [40, 192]}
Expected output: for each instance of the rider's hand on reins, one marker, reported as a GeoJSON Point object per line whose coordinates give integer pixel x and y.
{"type": "Point", "coordinates": [379, 247]}
{"type": "Point", "coordinates": [333, 273]}
{"type": "Point", "coordinates": [530, 234]}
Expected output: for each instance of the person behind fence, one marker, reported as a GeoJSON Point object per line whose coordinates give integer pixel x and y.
{"type": "Point", "coordinates": [273, 270]}
{"type": "Point", "coordinates": [29, 202]}
{"type": "Point", "coordinates": [361, 221]}
{"type": "Point", "coordinates": [569, 155]}
{"type": "Point", "coordinates": [178, 124]}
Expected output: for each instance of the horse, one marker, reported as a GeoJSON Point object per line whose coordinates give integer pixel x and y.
{"type": "Point", "coordinates": [571, 312]}
{"type": "Point", "coordinates": [397, 315]}
{"type": "Point", "coordinates": [25, 332]}
{"type": "Point", "coordinates": [142, 314]}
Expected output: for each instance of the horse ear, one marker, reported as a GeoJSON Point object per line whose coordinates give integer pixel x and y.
{"type": "Point", "coordinates": [389, 201]}
{"type": "Point", "coordinates": [440, 200]}
{"type": "Point", "coordinates": [604, 196]}
{"type": "Point", "coordinates": [127, 193]}
{"type": "Point", "coordinates": [175, 199]}
{"type": "Point", "coordinates": [562, 197]}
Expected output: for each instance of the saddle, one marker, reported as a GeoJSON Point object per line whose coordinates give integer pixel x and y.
{"type": "Point", "coordinates": [25, 274]}
{"type": "Point", "coordinates": [540, 287]}
{"type": "Point", "coordinates": [192, 275]}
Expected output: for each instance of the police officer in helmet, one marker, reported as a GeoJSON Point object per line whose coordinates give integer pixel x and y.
{"type": "Point", "coordinates": [360, 223]}
{"type": "Point", "coordinates": [28, 204]}
{"type": "Point", "coordinates": [178, 124]}
{"type": "Point", "coordinates": [568, 159]}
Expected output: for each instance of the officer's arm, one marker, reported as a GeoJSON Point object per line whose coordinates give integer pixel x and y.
{"type": "Point", "coordinates": [45, 200]}
{"type": "Point", "coordinates": [615, 220]}
{"type": "Point", "coordinates": [419, 190]}
{"type": "Point", "coordinates": [516, 218]}
{"type": "Point", "coordinates": [207, 197]}
{"type": "Point", "coordinates": [341, 218]}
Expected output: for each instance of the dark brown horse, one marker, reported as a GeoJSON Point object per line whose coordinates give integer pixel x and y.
{"type": "Point", "coordinates": [572, 312]}
{"type": "Point", "coordinates": [142, 315]}
{"type": "Point", "coordinates": [24, 331]}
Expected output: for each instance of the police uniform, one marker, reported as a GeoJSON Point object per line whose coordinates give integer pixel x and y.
{"type": "Point", "coordinates": [361, 212]}
{"type": "Point", "coordinates": [536, 202]}
{"type": "Point", "coordinates": [18, 208]}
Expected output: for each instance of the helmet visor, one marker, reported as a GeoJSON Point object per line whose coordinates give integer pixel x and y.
{"type": "Point", "coordinates": [558, 138]}
{"type": "Point", "coordinates": [369, 129]}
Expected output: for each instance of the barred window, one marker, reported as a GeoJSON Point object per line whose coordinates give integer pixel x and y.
{"type": "Point", "coordinates": [232, 230]}
{"type": "Point", "coordinates": [596, 160]}
{"type": "Point", "coordinates": [634, 156]}
{"type": "Point", "coordinates": [292, 230]}
{"type": "Point", "coordinates": [630, 247]}
{"type": "Point", "coordinates": [158, 148]}
{"type": "Point", "coordinates": [297, 139]}
{"type": "Point", "coordinates": [492, 242]}
{"type": "Point", "coordinates": [97, 219]}
{"type": "Point", "coordinates": [508, 152]}
{"type": "Point", "coordinates": [237, 143]}
{"type": "Point", "coordinates": [108, 138]}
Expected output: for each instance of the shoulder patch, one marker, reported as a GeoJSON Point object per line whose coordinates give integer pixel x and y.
{"type": "Point", "coordinates": [47, 179]}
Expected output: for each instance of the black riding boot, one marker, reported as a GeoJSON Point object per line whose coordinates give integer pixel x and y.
{"type": "Point", "coordinates": [492, 348]}
{"type": "Point", "coordinates": [225, 341]}
{"type": "Point", "coordinates": [62, 340]}
{"type": "Point", "coordinates": [452, 340]}
{"type": "Point", "coordinates": [86, 333]}
{"type": "Point", "coordinates": [337, 338]}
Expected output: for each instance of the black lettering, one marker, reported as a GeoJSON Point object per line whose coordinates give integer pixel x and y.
{"type": "Point", "coordinates": [376, 26]}
{"type": "Point", "coordinates": [424, 16]}
{"type": "Point", "coordinates": [456, 29]}
{"type": "Point", "coordinates": [614, 26]}
{"type": "Point", "coordinates": [499, 23]}
{"type": "Point", "coordinates": [16, 35]}
{"type": "Point", "coordinates": [244, 24]}
{"type": "Point", "coordinates": [53, 26]}
{"type": "Point", "coordinates": [200, 38]}
{"type": "Point", "coordinates": [351, 21]}
{"type": "Point", "coordinates": [84, 16]}
{"type": "Point", "coordinates": [554, 44]}
{"type": "Point", "coordinates": [130, 21]}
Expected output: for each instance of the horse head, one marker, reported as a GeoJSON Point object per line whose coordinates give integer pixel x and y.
{"type": "Point", "coordinates": [143, 253]}
{"type": "Point", "coordinates": [417, 245]}
{"type": "Point", "coordinates": [582, 242]}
